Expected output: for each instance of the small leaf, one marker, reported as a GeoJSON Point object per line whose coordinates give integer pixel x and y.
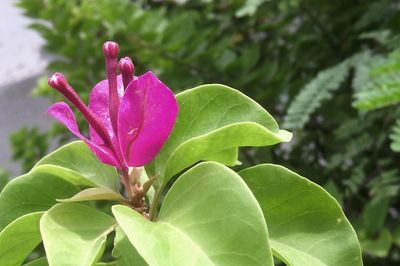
{"type": "Point", "coordinates": [77, 157]}
{"type": "Point", "coordinates": [82, 229]}
{"type": "Point", "coordinates": [208, 217]}
{"type": "Point", "coordinates": [33, 192]}
{"type": "Point", "coordinates": [306, 225]}
{"type": "Point", "coordinates": [96, 193]}
{"type": "Point", "coordinates": [19, 238]}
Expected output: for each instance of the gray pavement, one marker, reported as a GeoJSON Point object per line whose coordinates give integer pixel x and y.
{"type": "Point", "coordinates": [21, 62]}
{"type": "Point", "coordinates": [17, 109]}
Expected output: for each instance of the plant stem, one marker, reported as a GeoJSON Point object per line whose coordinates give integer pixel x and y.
{"type": "Point", "coordinates": [127, 183]}
{"type": "Point", "coordinates": [154, 204]}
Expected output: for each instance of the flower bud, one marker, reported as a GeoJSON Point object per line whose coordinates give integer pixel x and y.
{"type": "Point", "coordinates": [126, 66]}
{"type": "Point", "coordinates": [110, 49]}
{"type": "Point", "coordinates": [57, 81]}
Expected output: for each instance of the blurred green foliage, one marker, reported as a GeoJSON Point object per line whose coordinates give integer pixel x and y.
{"type": "Point", "coordinates": [29, 146]}
{"type": "Point", "coordinates": [327, 69]}
{"type": "Point", "coordinates": [4, 175]}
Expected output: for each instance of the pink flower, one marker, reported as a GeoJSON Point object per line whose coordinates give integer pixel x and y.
{"type": "Point", "coordinates": [130, 117]}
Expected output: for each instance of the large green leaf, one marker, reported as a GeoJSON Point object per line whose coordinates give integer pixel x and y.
{"type": "Point", "coordinates": [75, 234]}
{"type": "Point", "coordinates": [208, 217]}
{"type": "Point", "coordinates": [77, 157]}
{"type": "Point", "coordinates": [213, 121]}
{"type": "Point", "coordinates": [124, 252]}
{"type": "Point", "coordinates": [19, 238]}
{"type": "Point", "coordinates": [33, 192]}
{"type": "Point", "coordinates": [306, 225]}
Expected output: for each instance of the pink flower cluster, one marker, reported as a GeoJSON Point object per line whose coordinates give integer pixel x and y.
{"type": "Point", "coordinates": [129, 117]}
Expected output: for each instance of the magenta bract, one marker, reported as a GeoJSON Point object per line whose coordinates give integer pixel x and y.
{"type": "Point", "coordinates": [129, 117]}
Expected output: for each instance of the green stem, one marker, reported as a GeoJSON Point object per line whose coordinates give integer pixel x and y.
{"type": "Point", "coordinates": [127, 183]}
{"type": "Point", "coordinates": [154, 204]}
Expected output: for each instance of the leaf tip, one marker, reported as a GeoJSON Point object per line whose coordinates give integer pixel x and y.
{"type": "Point", "coordinates": [285, 135]}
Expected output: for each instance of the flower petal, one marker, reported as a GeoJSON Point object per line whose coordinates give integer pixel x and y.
{"type": "Point", "coordinates": [98, 103]}
{"type": "Point", "coordinates": [63, 113]}
{"type": "Point", "coordinates": [146, 118]}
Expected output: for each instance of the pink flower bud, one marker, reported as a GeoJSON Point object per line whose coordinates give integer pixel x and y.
{"type": "Point", "coordinates": [110, 49]}
{"type": "Point", "coordinates": [57, 81]}
{"type": "Point", "coordinates": [126, 66]}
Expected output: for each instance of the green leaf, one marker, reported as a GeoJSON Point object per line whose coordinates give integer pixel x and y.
{"type": "Point", "coordinates": [334, 191]}
{"type": "Point", "coordinates": [77, 157]}
{"type": "Point", "coordinates": [19, 238]}
{"type": "Point", "coordinates": [95, 193]}
{"type": "Point", "coordinates": [124, 252]}
{"type": "Point", "coordinates": [33, 192]}
{"type": "Point", "coordinates": [67, 174]}
{"type": "Point", "coordinates": [38, 262]}
{"type": "Point", "coordinates": [306, 225]}
{"type": "Point", "coordinates": [213, 121]}
{"type": "Point", "coordinates": [75, 234]}
{"type": "Point", "coordinates": [374, 214]}
{"type": "Point", "coordinates": [379, 246]}
{"type": "Point", "coordinates": [208, 217]}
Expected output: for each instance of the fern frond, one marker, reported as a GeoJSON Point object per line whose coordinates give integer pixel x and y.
{"type": "Point", "coordinates": [344, 159]}
{"type": "Point", "coordinates": [381, 36]}
{"type": "Point", "coordinates": [353, 127]}
{"type": "Point", "coordinates": [322, 87]}
{"type": "Point", "coordinates": [356, 179]}
{"type": "Point", "coordinates": [383, 87]}
{"type": "Point", "coordinates": [362, 65]}
{"type": "Point", "coordinates": [314, 93]}
{"type": "Point", "coordinates": [384, 37]}
{"type": "Point", "coordinates": [395, 137]}
{"type": "Point", "coordinates": [386, 184]}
